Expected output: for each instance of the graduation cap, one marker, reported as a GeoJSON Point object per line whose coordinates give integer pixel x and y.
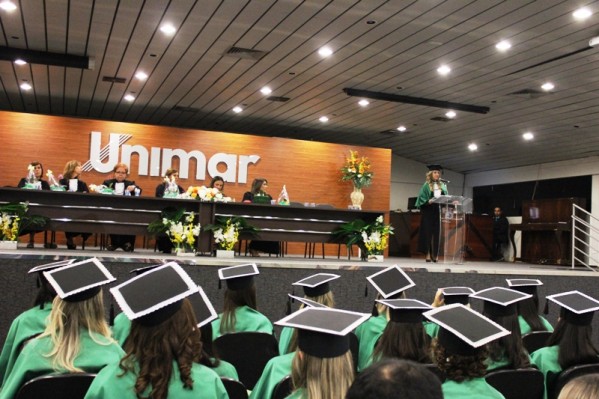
{"type": "Point", "coordinates": [307, 301]}
{"type": "Point", "coordinates": [202, 307]}
{"type": "Point", "coordinates": [464, 331]}
{"type": "Point", "coordinates": [577, 308]}
{"type": "Point", "coordinates": [500, 301]}
{"type": "Point", "coordinates": [317, 284]}
{"type": "Point", "coordinates": [390, 281]}
{"type": "Point", "coordinates": [323, 332]}
{"type": "Point", "coordinates": [80, 280]}
{"type": "Point", "coordinates": [50, 266]}
{"type": "Point", "coordinates": [435, 167]}
{"type": "Point", "coordinates": [526, 285]}
{"type": "Point", "coordinates": [142, 270]}
{"type": "Point", "coordinates": [453, 295]}
{"type": "Point", "coordinates": [405, 310]}
{"type": "Point", "coordinates": [238, 277]}
{"type": "Point", "coordinates": [156, 295]}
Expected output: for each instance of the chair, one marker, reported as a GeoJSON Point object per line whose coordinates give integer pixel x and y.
{"type": "Point", "coordinates": [515, 384]}
{"type": "Point", "coordinates": [235, 389]}
{"type": "Point", "coordinates": [436, 371]}
{"type": "Point", "coordinates": [56, 386]}
{"type": "Point", "coordinates": [354, 347]}
{"type": "Point", "coordinates": [248, 352]}
{"type": "Point", "coordinates": [282, 389]}
{"type": "Point", "coordinates": [535, 340]}
{"type": "Point", "coordinates": [555, 382]}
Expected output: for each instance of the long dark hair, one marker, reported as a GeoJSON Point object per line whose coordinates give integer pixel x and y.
{"type": "Point", "coordinates": [575, 344]}
{"type": "Point", "coordinates": [257, 185]}
{"type": "Point", "coordinates": [45, 292]}
{"type": "Point", "coordinates": [509, 346]}
{"type": "Point", "coordinates": [403, 341]}
{"type": "Point", "coordinates": [459, 367]}
{"type": "Point", "coordinates": [210, 357]}
{"type": "Point", "coordinates": [155, 348]}
{"type": "Point", "coordinates": [529, 310]}
{"type": "Point", "coordinates": [233, 300]}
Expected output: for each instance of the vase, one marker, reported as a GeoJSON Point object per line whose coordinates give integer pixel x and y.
{"type": "Point", "coordinates": [185, 251]}
{"type": "Point", "coordinates": [375, 258]}
{"type": "Point", "coordinates": [8, 245]}
{"type": "Point", "coordinates": [357, 197]}
{"type": "Point", "coordinates": [224, 253]}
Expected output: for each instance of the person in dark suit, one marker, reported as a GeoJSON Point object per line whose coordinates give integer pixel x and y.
{"type": "Point", "coordinates": [38, 174]}
{"type": "Point", "coordinates": [121, 186]}
{"type": "Point", "coordinates": [72, 172]}
{"type": "Point", "coordinates": [258, 189]}
{"type": "Point", "coordinates": [501, 228]}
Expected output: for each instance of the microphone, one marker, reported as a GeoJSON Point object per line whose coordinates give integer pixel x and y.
{"type": "Point", "coordinates": [444, 181]}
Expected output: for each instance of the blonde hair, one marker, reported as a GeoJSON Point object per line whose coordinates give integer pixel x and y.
{"type": "Point", "coordinates": [584, 387]}
{"type": "Point", "coordinates": [69, 168]}
{"type": "Point", "coordinates": [429, 179]}
{"type": "Point", "coordinates": [65, 323]}
{"type": "Point", "coordinates": [327, 299]}
{"type": "Point", "coordinates": [328, 378]}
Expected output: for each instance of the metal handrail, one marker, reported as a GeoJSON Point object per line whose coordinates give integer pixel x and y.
{"type": "Point", "coordinates": [579, 244]}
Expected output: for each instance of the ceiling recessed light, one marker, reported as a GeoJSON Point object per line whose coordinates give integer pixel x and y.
{"type": "Point", "coordinates": [129, 98]}
{"type": "Point", "coordinates": [363, 102]}
{"type": "Point", "coordinates": [503, 45]}
{"type": "Point", "coordinates": [402, 128]}
{"type": "Point", "coordinates": [582, 13]}
{"type": "Point", "coordinates": [472, 147]}
{"type": "Point", "coordinates": [20, 62]}
{"type": "Point", "coordinates": [450, 114]}
{"type": "Point", "coordinates": [528, 136]}
{"type": "Point", "coordinates": [8, 6]}
{"type": "Point", "coordinates": [443, 70]}
{"type": "Point", "coordinates": [547, 86]}
{"type": "Point", "coordinates": [265, 90]}
{"type": "Point", "coordinates": [141, 75]}
{"type": "Point", "coordinates": [26, 86]}
{"type": "Point", "coordinates": [323, 119]}
{"type": "Point", "coordinates": [168, 29]}
{"type": "Point", "coordinates": [325, 51]}
{"type": "Point", "coordinates": [237, 109]}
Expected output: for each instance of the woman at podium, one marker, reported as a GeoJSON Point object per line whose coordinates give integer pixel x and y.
{"type": "Point", "coordinates": [433, 187]}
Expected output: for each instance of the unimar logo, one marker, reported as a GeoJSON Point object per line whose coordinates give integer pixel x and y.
{"type": "Point", "coordinates": [156, 160]}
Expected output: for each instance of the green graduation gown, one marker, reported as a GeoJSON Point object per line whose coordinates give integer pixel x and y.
{"type": "Point", "coordinates": [546, 361]}
{"type": "Point", "coordinates": [27, 324]}
{"type": "Point", "coordinates": [275, 370]}
{"type": "Point", "coordinates": [431, 329]}
{"type": "Point", "coordinates": [225, 369]}
{"type": "Point", "coordinates": [525, 328]}
{"type": "Point", "coordinates": [500, 363]}
{"type": "Point", "coordinates": [284, 339]}
{"type": "Point", "coordinates": [299, 394]}
{"type": "Point", "coordinates": [368, 333]}
{"type": "Point", "coordinates": [92, 357]}
{"type": "Point", "coordinates": [246, 319]}
{"type": "Point", "coordinates": [476, 388]}
{"type": "Point", "coordinates": [110, 384]}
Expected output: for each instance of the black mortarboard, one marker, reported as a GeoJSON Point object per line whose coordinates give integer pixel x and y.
{"type": "Point", "coordinates": [405, 310]}
{"type": "Point", "coordinates": [323, 332]}
{"type": "Point", "coordinates": [142, 270]}
{"type": "Point", "coordinates": [50, 266]}
{"type": "Point", "coordinates": [202, 307]}
{"type": "Point", "coordinates": [463, 331]}
{"type": "Point", "coordinates": [526, 285]}
{"type": "Point", "coordinates": [453, 295]}
{"type": "Point", "coordinates": [316, 284]}
{"type": "Point", "coordinates": [499, 301]}
{"type": "Point", "coordinates": [577, 308]}
{"type": "Point", "coordinates": [238, 277]}
{"type": "Point", "coordinates": [156, 295]}
{"type": "Point", "coordinates": [435, 167]}
{"type": "Point", "coordinates": [79, 281]}
{"type": "Point", "coordinates": [390, 281]}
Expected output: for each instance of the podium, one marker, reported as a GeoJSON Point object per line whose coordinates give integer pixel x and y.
{"type": "Point", "coordinates": [452, 232]}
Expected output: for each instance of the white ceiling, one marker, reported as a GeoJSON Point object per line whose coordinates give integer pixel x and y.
{"type": "Point", "coordinates": [398, 54]}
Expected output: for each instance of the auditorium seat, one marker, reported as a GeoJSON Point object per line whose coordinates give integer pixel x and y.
{"type": "Point", "coordinates": [56, 386]}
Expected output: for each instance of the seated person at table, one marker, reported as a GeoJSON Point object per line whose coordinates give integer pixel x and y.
{"type": "Point", "coordinates": [163, 243]}
{"type": "Point", "coordinates": [121, 186]}
{"type": "Point", "coordinates": [164, 346]}
{"type": "Point", "coordinates": [35, 177]}
{"type": "Point", "coordinates": [218, 183]}
{"type": "Point", "coordinates": [71, 180]}
{"type": "Point", "coordinates": [77, 337]}
{"type": "Point", "coordinates": [258, 190]}
{"type": "Point", "coordinates": [240, 310]}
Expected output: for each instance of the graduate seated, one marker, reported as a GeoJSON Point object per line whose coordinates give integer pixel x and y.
{"type": "Point", "coordinates": [77, 337]}
{"type": "Point", "coordinates": [164, 346]}
{"type": "Point", "coordinates": [528, 309]}
{"type": "Point", "coordinates": [447, 296]}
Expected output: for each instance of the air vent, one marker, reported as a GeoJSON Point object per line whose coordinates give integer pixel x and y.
{"type": "Point", "coordinates": [185, 109]}
{"type": "Point", "coordinates": [245, 53]}
{"type": "Point", "coordinates": [278, 99]}
{"type": "Point", "coordinates": [113, 79]}
{"type": "Point", "coordinates": [528, 93]}
{"type": "Point", "coordinates": [440, 119]}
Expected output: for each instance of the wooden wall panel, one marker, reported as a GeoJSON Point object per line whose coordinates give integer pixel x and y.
{"type": "Point", "coordinates": [309, 169]}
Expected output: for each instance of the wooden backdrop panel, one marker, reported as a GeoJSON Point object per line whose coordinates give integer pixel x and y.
{"type": "Point", "coordinates": [310, 170]}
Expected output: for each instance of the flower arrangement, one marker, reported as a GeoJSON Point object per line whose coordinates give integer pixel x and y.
{"type": "Point", "coordinates": [179, 227]}
{"type": "Point", "coordinates": [14, 218]}
{"type": "Point", "coordinates": [357, 170]}
{"type": "Point", "coordinates": [31, 182]}
{"type": "Point", "coordinates": [204, 193]}
{"type": "Point", "coordinates": [172, 189]}
{"type": "Point", "coordinates": [54, 186]}
{"type": "Point", "coordinates": [226, 231]}
{"type": "Point", "coordinates": [372, 238]}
